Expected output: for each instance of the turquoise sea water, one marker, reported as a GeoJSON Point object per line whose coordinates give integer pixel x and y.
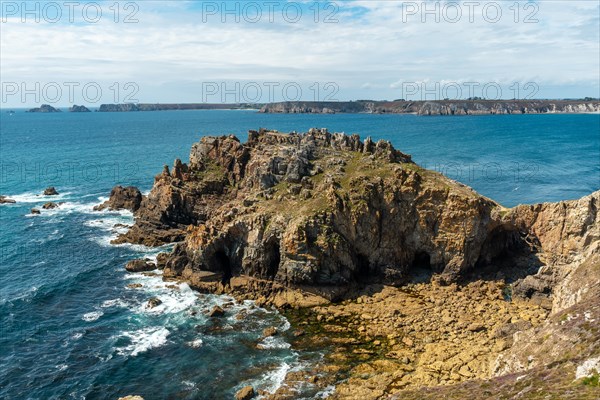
{"type": "Point", "coordinates": [70, 327]}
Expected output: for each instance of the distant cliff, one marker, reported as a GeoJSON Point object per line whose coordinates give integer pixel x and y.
{"type": "Point", "coordinates": [167, 107]}
{"type": "Point", "coordinates": [444, 107]}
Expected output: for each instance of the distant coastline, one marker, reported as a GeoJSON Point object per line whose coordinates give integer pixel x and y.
{"type": "Point", "coordinates": [424, 108]}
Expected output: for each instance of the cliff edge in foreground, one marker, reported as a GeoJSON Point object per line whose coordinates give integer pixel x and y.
{"type": "Point", "coordinates": [418, 282]}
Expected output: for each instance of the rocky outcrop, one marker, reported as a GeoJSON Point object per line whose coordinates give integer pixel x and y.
{"type": "Point", "coordinates": [314, 209]}
{"type": "Point", "coordinates": [122, 198]}
{"type": "Point", "coordinates": [44, 108]}
{"type": "Point", "coordinates": [245, 393]}
{"type": "Point", "coordinates": [51, 205]}
{"type": "Point", "coordinates": [76, 108]}
{"type": "Point", "coordinates": [50, 191]}
{"type": "Point", "coordinates": [140, 265]}
{"type": "Point", "coordinates": [6, 200]}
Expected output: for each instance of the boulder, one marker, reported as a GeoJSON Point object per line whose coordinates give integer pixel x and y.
{"type": "Point", "coordinates": [122, 198]}
{"type": "Point", "coordinates": [140, 265]}
{"type": "Point", "coordinates": [245, 393]}
{"type": "Point", "coordinates": [35, 211]}
{"type": "Point", "coordinates": [51, 205]}
{"type": "Point", "coordinates": [50, 191]}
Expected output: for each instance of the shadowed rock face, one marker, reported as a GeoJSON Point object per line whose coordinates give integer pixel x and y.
{"type": "Point", "coordinates": [316, 209]}
{"type": "Point", "coordinates": [122, 198]}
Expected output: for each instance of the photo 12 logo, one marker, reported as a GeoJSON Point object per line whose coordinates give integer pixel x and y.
{"type": "Point", "coordinates": [267, 92]}
{"type": "Point", "coordinates": [512, 172]}
{"type": "Point", "coordinates": [453, 12]}
{"type": "Point", "coordinates": [68, 92]}
{"type": "Point", "coordinates": [448, 90]}
{"type": "Point", "coordinates": [71, 12]}
{"type": "Point", "coordinates": [73, 172]}
{"type": "Point", "coordinates": [253, 12]}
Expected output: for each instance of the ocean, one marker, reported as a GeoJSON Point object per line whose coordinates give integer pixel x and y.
{"type": "Point", "coordinates": [72, 328]}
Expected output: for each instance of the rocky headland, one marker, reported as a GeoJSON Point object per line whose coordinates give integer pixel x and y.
{"type": "Point", "coordinates": [418, 287]}
{"type": "Point", "coordinates": [438, 107]}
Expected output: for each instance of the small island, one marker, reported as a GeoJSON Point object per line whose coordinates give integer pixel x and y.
{"type": "Point", "coordinates": [44, 108]}
{"type": "Point", "coordinates": [76, 108]}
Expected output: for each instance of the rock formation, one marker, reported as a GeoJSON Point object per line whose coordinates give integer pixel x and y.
{"type": "Point", "coordinates": [122, 198]}
{"type": "Point", "coordinates": [314, 209]}
{"type": "Point", "coordinates": [50, 191]}
{"type": "Point", "coordinates": [303, 219]}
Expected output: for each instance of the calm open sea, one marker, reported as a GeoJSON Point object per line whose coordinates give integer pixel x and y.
{"type": "Point", "coordinates": [71, 328]}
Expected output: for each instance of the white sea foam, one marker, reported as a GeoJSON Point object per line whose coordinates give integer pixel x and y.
{"type": "Point", "coordinates": [173, 300]}
{"type": "Point", "coordinates": [274, 379]}
{"type": "Point", "coordinates": [273, 342]}
{"type": "Point", "coordinates": [196, 343]}
{"type": "Point", "coordinates": [143, 340]}
{"type": "Point", "coordinates": [62, 367]}
{"type": "Point", "coordinates": [113, 303]}
{"type": "Point", "coordinates": [31, 197]}
{"type": "Point", "coordinates": [92, 316]}
{"type": "Point", "coordinates": [326, 393]}
{"type": "Point", "coordinates": [77, 336]}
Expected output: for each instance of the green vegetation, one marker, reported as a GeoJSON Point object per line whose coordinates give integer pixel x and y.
{"type": "Point", "coordinates": [593, 380]}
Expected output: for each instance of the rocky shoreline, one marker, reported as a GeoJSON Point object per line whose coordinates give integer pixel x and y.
{"type": "Point", "coordinates": [417, 285]}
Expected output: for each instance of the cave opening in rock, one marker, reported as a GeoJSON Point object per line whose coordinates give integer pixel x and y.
{"type": "Point", "coordinates": [421, 269]}
{"type": "Point", "coordinates": [273, 259]}
{"type": "Point", "coordinates": [224, 265]}
{"type": "Point", "coordinates": [364, 271]}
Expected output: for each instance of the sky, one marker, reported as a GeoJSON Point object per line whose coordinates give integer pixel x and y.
{"type": "Point", "coordinates": [94, 52]}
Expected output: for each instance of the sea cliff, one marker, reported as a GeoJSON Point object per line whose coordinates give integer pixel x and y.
{"type": "Point", "coordinates": [439, 107]}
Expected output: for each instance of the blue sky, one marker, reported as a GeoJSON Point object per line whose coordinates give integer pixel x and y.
{"type": "Point", "coordinates": [191, 51]}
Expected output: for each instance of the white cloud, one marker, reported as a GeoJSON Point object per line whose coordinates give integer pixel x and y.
{"type": "Point", "coordinates": [171, 51]}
